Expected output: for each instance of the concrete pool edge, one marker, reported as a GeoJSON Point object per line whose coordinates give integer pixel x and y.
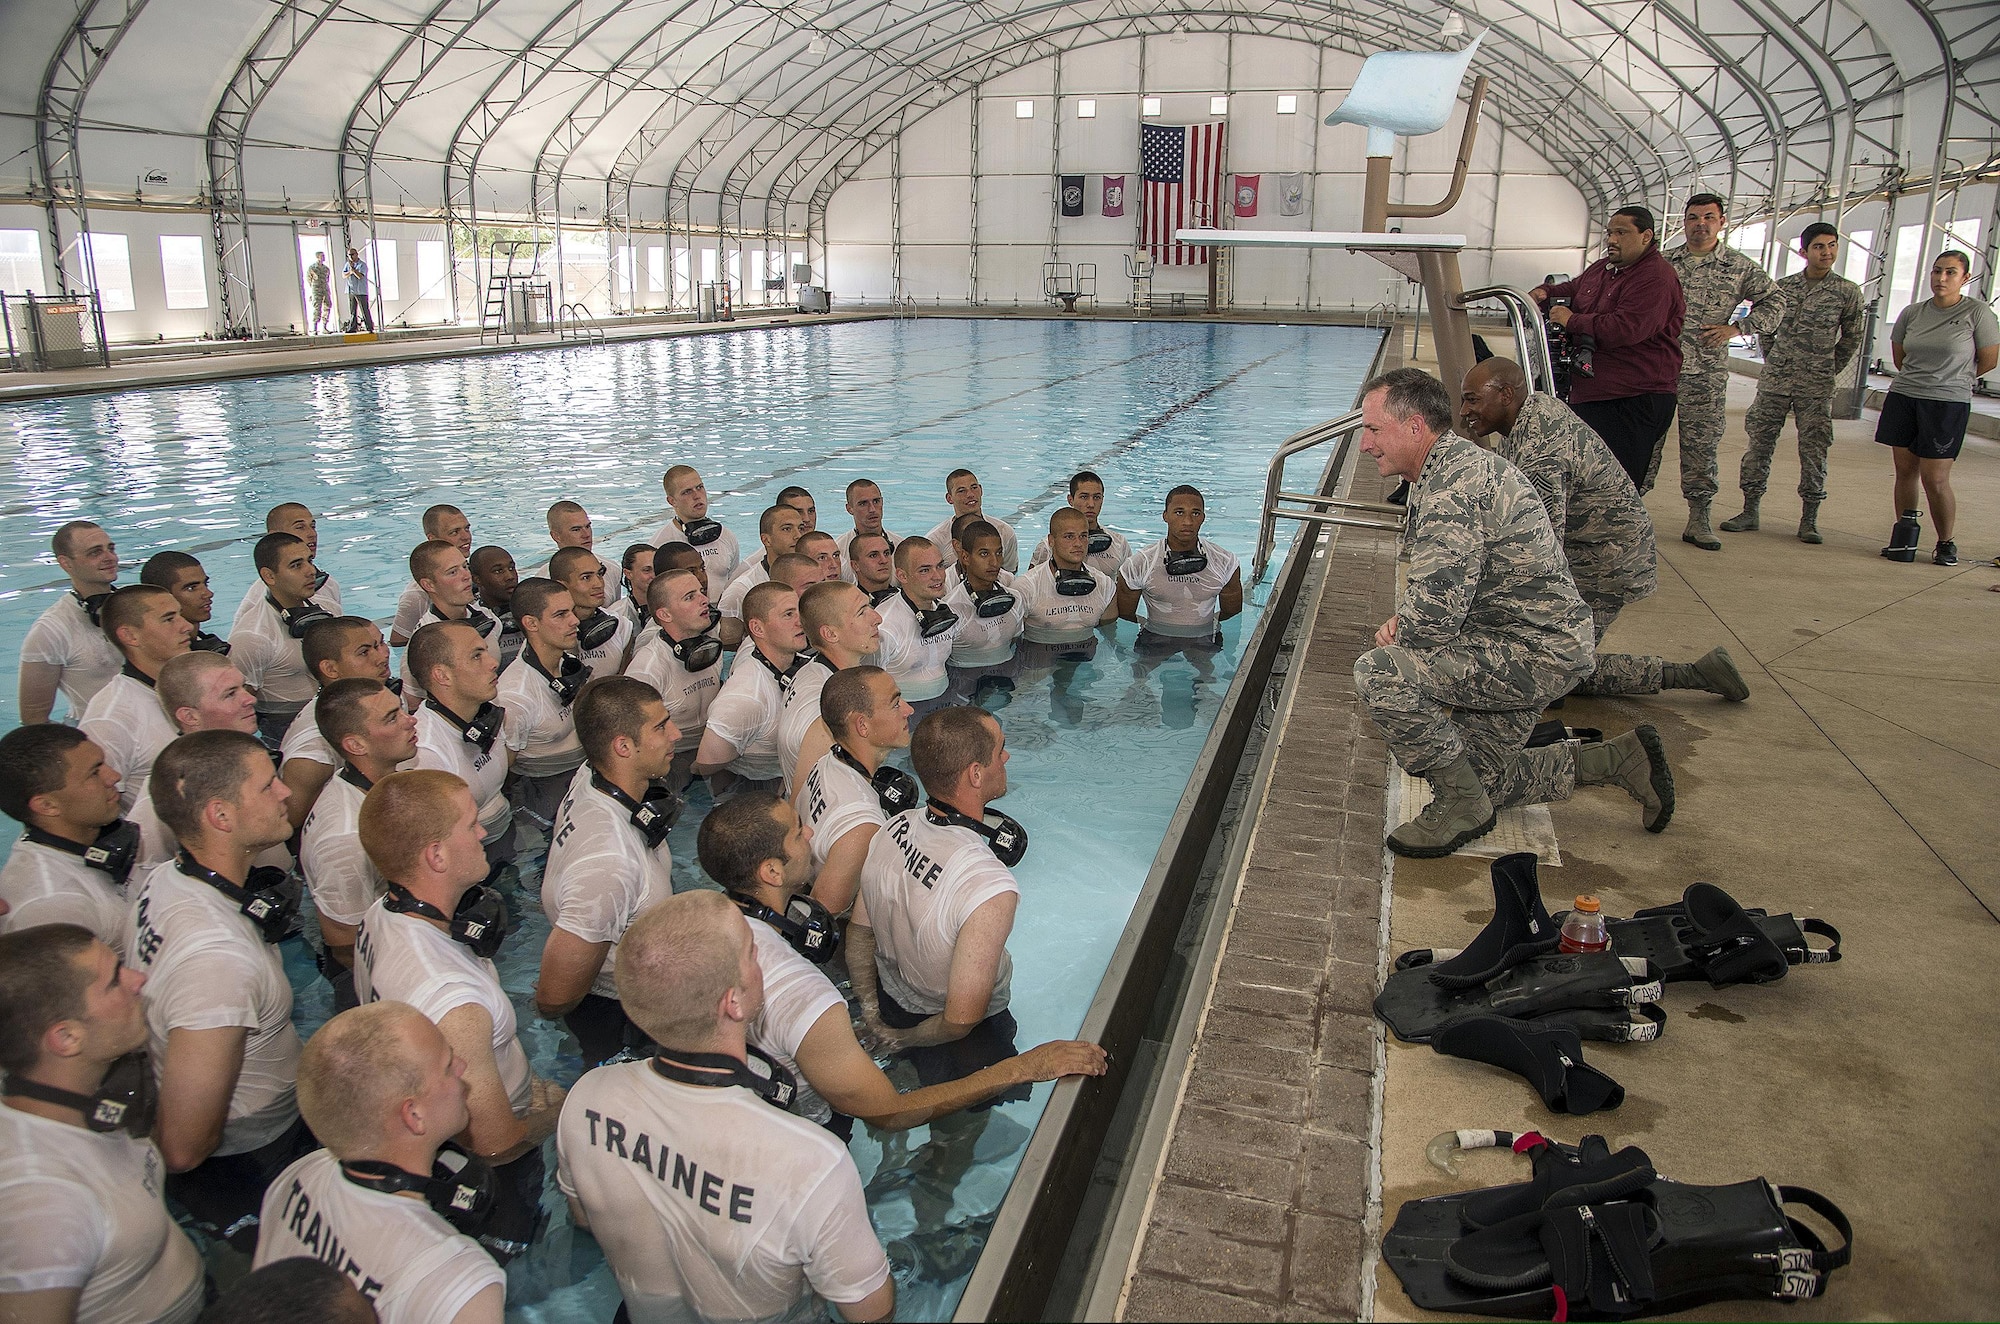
{"type": "Point", "coordinates": [1035, 1222]}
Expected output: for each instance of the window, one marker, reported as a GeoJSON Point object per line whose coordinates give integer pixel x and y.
{"type": "Point", "coordinates": [186, 274]}
{"type": "Point", "coordinates": [627, 274]}
{"type": "Point", "coordinates": [1149, 105]}
{"type": "Point", "coordinates": [432, 273]}
{"type": "Point", "coordinates": [656, 270]}
{"type": "Point", "coordinates": [1792, 261]}
{"type": "Point", "coordinates": [1750, 239]}
{"type": "Point", "coordinates": [112, 259]}
{"type": "Point", "coordinates": [683, 283]}
{"type": "Point", "coordinates": [1858, 245]}
{"type": "Point", "coordinates": [382, 269]}
{"type": "Point", "coordinates": [1288, 104]}
{"type": "Point", "coordinates": [21, 262]}
{"type": "Point", "coordinates": [1024, 110]}
{"type": "Point", "coordinates": [708, 266]}
{"type": "Point", "coordinates": [1086, 109]}
{"type": "Point", "coordinates": [1903, 272]}
{"type": "Point", "coordinates": [1962, 234]}
{"type": "Point", "coordinates": [1218, 105]}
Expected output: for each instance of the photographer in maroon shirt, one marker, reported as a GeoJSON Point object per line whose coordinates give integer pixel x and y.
{"type": "Point", "coordinates": [1629, 305]}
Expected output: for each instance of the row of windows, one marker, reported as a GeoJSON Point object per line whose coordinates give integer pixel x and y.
{"type": "Point", "coordinates": [1086, 107]}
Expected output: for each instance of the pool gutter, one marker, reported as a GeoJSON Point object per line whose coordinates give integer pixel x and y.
{"type": "Point", "coordinates": [1034, 1225]}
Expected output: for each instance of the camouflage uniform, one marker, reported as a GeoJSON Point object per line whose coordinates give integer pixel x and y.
{"type": "Point", "coordinates": [1821, 332]}
{"type": "Point", "coordinates": [1489, 630]}
{"type": "Point", "coordinates": [1713, 285]}
{"type": "Point", "coordinates": [1607, 536]}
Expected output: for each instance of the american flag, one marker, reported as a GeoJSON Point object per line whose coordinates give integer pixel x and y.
{"type": "Point", "coordinates": [1181, 166]}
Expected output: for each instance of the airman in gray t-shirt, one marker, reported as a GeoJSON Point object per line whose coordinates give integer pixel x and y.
{"type": "Point", "coordinates": [1939, 345]}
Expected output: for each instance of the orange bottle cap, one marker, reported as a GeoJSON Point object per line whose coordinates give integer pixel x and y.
{"type": "Point", "coordinates": [1589, 905]}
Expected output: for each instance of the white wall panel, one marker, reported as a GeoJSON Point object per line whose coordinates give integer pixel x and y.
{"type": "Point", "coordinates": [937, 209]}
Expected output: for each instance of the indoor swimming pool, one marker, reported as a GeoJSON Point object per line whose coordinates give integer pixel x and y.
{"type": "Point", "coordinates": [1101, 749]}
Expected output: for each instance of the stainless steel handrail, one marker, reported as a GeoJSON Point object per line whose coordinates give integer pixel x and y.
{"type": "Point", "coordinates": [1531, 342]}
{"type": "Point", "coordinates": [1342, 428]}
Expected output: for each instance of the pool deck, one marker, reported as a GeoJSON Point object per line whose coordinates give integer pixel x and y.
{"type": "Point", "coordinates": [1857, 784]}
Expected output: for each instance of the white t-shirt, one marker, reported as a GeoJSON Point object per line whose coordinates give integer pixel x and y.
{"type": "Point", "coordinates": [1108, 560]}
{"type": "Point", "coordinates": [272, 662]}
{"type": "Point", "coordinates": [128, 724]}
{"type": "Point", "coordinates": [48, 885]}
{"type": "Point", "coordinates": [608, 657]}
{"type": "Point", "coordinates": [917, 663]}
{"type": "Point", "coordinates": [406, 958]}
{"type": "Point", "coordinates": [1051, 618]}
{"type": "Point", "coordinates": [614, 579]}
{"type": "Point", "coordinates": [921, 883]}
{"type": "Point", "coordinates": [753, 573]}
{"type": "Point", "coordinates": [1184, 606]}
{"type": "Point", "coordinates": [63, 636]}
{"type": "Point", "coordinates": [411, 604]}
{"type": "Point", "coordinates": [796, 994]}
{"type": "Point", "coordinates": [710, 1204]}
{"type": "Point", "coordinates": [719, 559]}
{"type": "Point", "coordinates": [846, 540]}
{"type": "Point", "coordinates": [413, 690]}
{"type": "Point", "coordinates": [206, 968]}
{"type": "Point", "coordinates": [540, 728]}
{"type": "Point", "coordinates": [801, 711]}
{"type": "Point", "coordinates": [326, 595]}
{"type": "Point", "coordinates": [304, 740]}
{"type": "Point", "coordinates": [687, 694]}
{"type": "Point", "coordinates": [983, 641]}
{"type": "Point", "coordinates": [413, 1267]}
{"type": "Point", "coordinates": [343, 880]}
{"type": "Point", "coordinates": [83, 1209]}
{"type": "Point", "coordinates": [746, 712]}
{"type": "Point", "coordinates": [833, 802]}
{"type": "Point", "coordinates": [1010, 544]}
{"type": "Point", "coordinates": [441, 745]}
{"type": "Point", "coordinates": [600, 875]}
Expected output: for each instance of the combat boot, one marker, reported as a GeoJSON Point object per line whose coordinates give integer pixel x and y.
{"type": "Point", "coordinates": [1809, 523]}
{"type": "Point", "coordinates": [1459, 812]}
{"type": "Point", "coordinates": [1714, 671]}
{"type": "Point", "coordinates": [1697, 531]}
{"type": "Point", "coordinates": [1746, 522]}
{"type": "Point", "coordinates": [1636, 761]}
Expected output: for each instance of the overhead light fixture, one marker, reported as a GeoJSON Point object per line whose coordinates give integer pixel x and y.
{"type": "Point", "coordinates": [1086, 109]}
{"type": "Point", "coordinates": [1180, 34]}
{"type": "Point", "coordinates": [818, 46]}
{"type": "Point", "coordinates": [1454, 25]}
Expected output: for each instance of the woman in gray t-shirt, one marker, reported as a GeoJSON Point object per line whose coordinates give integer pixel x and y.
{"type": "Point", "coordinates": [1941, 346]}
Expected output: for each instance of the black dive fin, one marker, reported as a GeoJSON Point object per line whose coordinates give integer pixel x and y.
{"type": "Point", "coordinates": [1549, 1056]}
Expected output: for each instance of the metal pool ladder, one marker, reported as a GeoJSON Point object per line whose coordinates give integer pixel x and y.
{"type": "Point", "coordinates": [1306, 506]}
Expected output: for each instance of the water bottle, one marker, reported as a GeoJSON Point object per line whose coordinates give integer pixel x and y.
{"type": "Point", "coordinates": [1742, 311]}
{"type": "Point", "coordinates": [1584, 930]}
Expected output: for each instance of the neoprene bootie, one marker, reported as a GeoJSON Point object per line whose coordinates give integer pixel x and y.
{"type": "Point", "coordinates": [1714, 671]}
{"type": "Point", "coordinates": [1521, 927]}
{"type": "Point", "coordinates": [1636, 761]}
{"type": "Point", "coordinates": [1904, 537]}
{"type": "Point", "coordinates": [1744, 523]}
{"type": "Point", "coordinates": [1459, 812]}
{"type": "Point", "coordinates": [1809, 523]}
{"type": "Point", "coordinates": [1697, 531]}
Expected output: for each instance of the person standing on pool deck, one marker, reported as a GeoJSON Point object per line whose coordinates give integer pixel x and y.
{"type": "Point", "coordinates": [1108, 550]}
{"type": "Point", "coordinates": [299, 521]}
{"type": "Point", "coordinates": [918, 630]}
{"type": "Point", "coordinates": [65, 649]}
{"type": "Point", "coordinates": [739, 748]}
{"type": "Point", "coordinates": [864, 506]}
{"type": "Point", "coordinates": [569, 526]}
{"type": "Point", "coordinates": [360, 308]}
{"type": "Point", "coordinates": [182, 575]}
{"type": "Point", "coordinates": [319, 284]}
{"type": "Point", "coordinates": [441, 523]}
{"type": "Point", "coordinates": [691, 524]}
{"type": "Point", "coordinates": [1189, 584]}
{"type": "Point", "coordinates": [966, 497]}
{"type": "Point", "coordinates": [1941, 346]}
{"type": "Point", "coordinates": [779, 529]}
{"type": "Point", "coordinates": [264, 639]}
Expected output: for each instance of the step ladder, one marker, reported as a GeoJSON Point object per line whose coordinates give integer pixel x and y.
{"type": "Point", "coordinates": [493, 317]}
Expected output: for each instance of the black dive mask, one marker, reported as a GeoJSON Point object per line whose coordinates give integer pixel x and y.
{"type": "Point", "coordinates": [1077, 583]}
{"type": "Point", "coordinates": [808, 927]}
{"type": "Point", "coordinates": [481, 622]}
{"type": "Point", "coordinates": [480, 922]}
{"type": "Point", "coordinates": [700, 531]}
{"type": "Point", "coordinates": [266, 898]}
{"type": "Point", "coordinates": [894, 788]}
{"type": "Point", "coordinates": [459, 1188]}
{"type": "Point", "coordinates": [320, 578]}
{"type": "Point", "coordinates": [1186, 563]}
{"type": "Point", "coordinates": [123, 1101]}
{"type": "Point", "coordinates": [115, 850]}
{"type": "Point", "coordinates": [92, 605]}
{"type": "Point", "coordinates": [133, 673]}
{"type": "Point", "coordinates": [935, 621]}
{"type": "Point", "coordinates": [784, 677]}
{"type": "Point", "coordinates": [764, 1076]}
{"type": "Point", "coordinates": [297, 620]}
{"type": "Point", "coordinates": [654, 816]}
{"type": "Point", "coordinates": [571, 673]}
{"type": "Point", "coordinates": [596, 632]}
{"type": "Point", "coordinates": [696, 654]}
{"type": "Point", "coordinates": [988, 603]}
{"type": "Point", "coordinates": [1004, 835]}
{"type": "Point", "coordinates": [204, 642]}
{"type": "Point", "coordinates": [880, 596]}
{"type": "Point", "coordinates": [1100, 541]}
{"type": "Point", "coordinates": [484, 726]}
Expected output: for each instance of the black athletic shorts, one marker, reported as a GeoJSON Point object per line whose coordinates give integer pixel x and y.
{"type": "Point", "coordinates": [225, 1192]}
{"type": "Point", "coordinates": [1928, 429]}
{"type": "Point", "coordinates": [990, 1041]}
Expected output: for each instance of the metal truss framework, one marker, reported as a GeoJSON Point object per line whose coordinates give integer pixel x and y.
{"type": "Point", "coordinates": [766, 109]}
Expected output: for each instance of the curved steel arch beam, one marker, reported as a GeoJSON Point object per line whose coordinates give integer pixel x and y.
{"type": "Point", "coordinates": [86, 46]}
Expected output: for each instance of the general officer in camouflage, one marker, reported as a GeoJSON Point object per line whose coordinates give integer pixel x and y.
{"type": "Point", "coordinates": [1606, 534]}
{"type": "Point", "coordinates": [1715, 278]}
{"type": "Point", "coordinates": [1820, 335]}
{"type": "Point", "coordinates": [1488, 630]}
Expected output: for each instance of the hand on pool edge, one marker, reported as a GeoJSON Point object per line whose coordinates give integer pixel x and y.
{"type": "Point", "coordinates": [1065, 1057]}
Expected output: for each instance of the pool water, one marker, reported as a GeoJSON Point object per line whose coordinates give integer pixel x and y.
{"type": "Point", "coordinates": [1102, 750]}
